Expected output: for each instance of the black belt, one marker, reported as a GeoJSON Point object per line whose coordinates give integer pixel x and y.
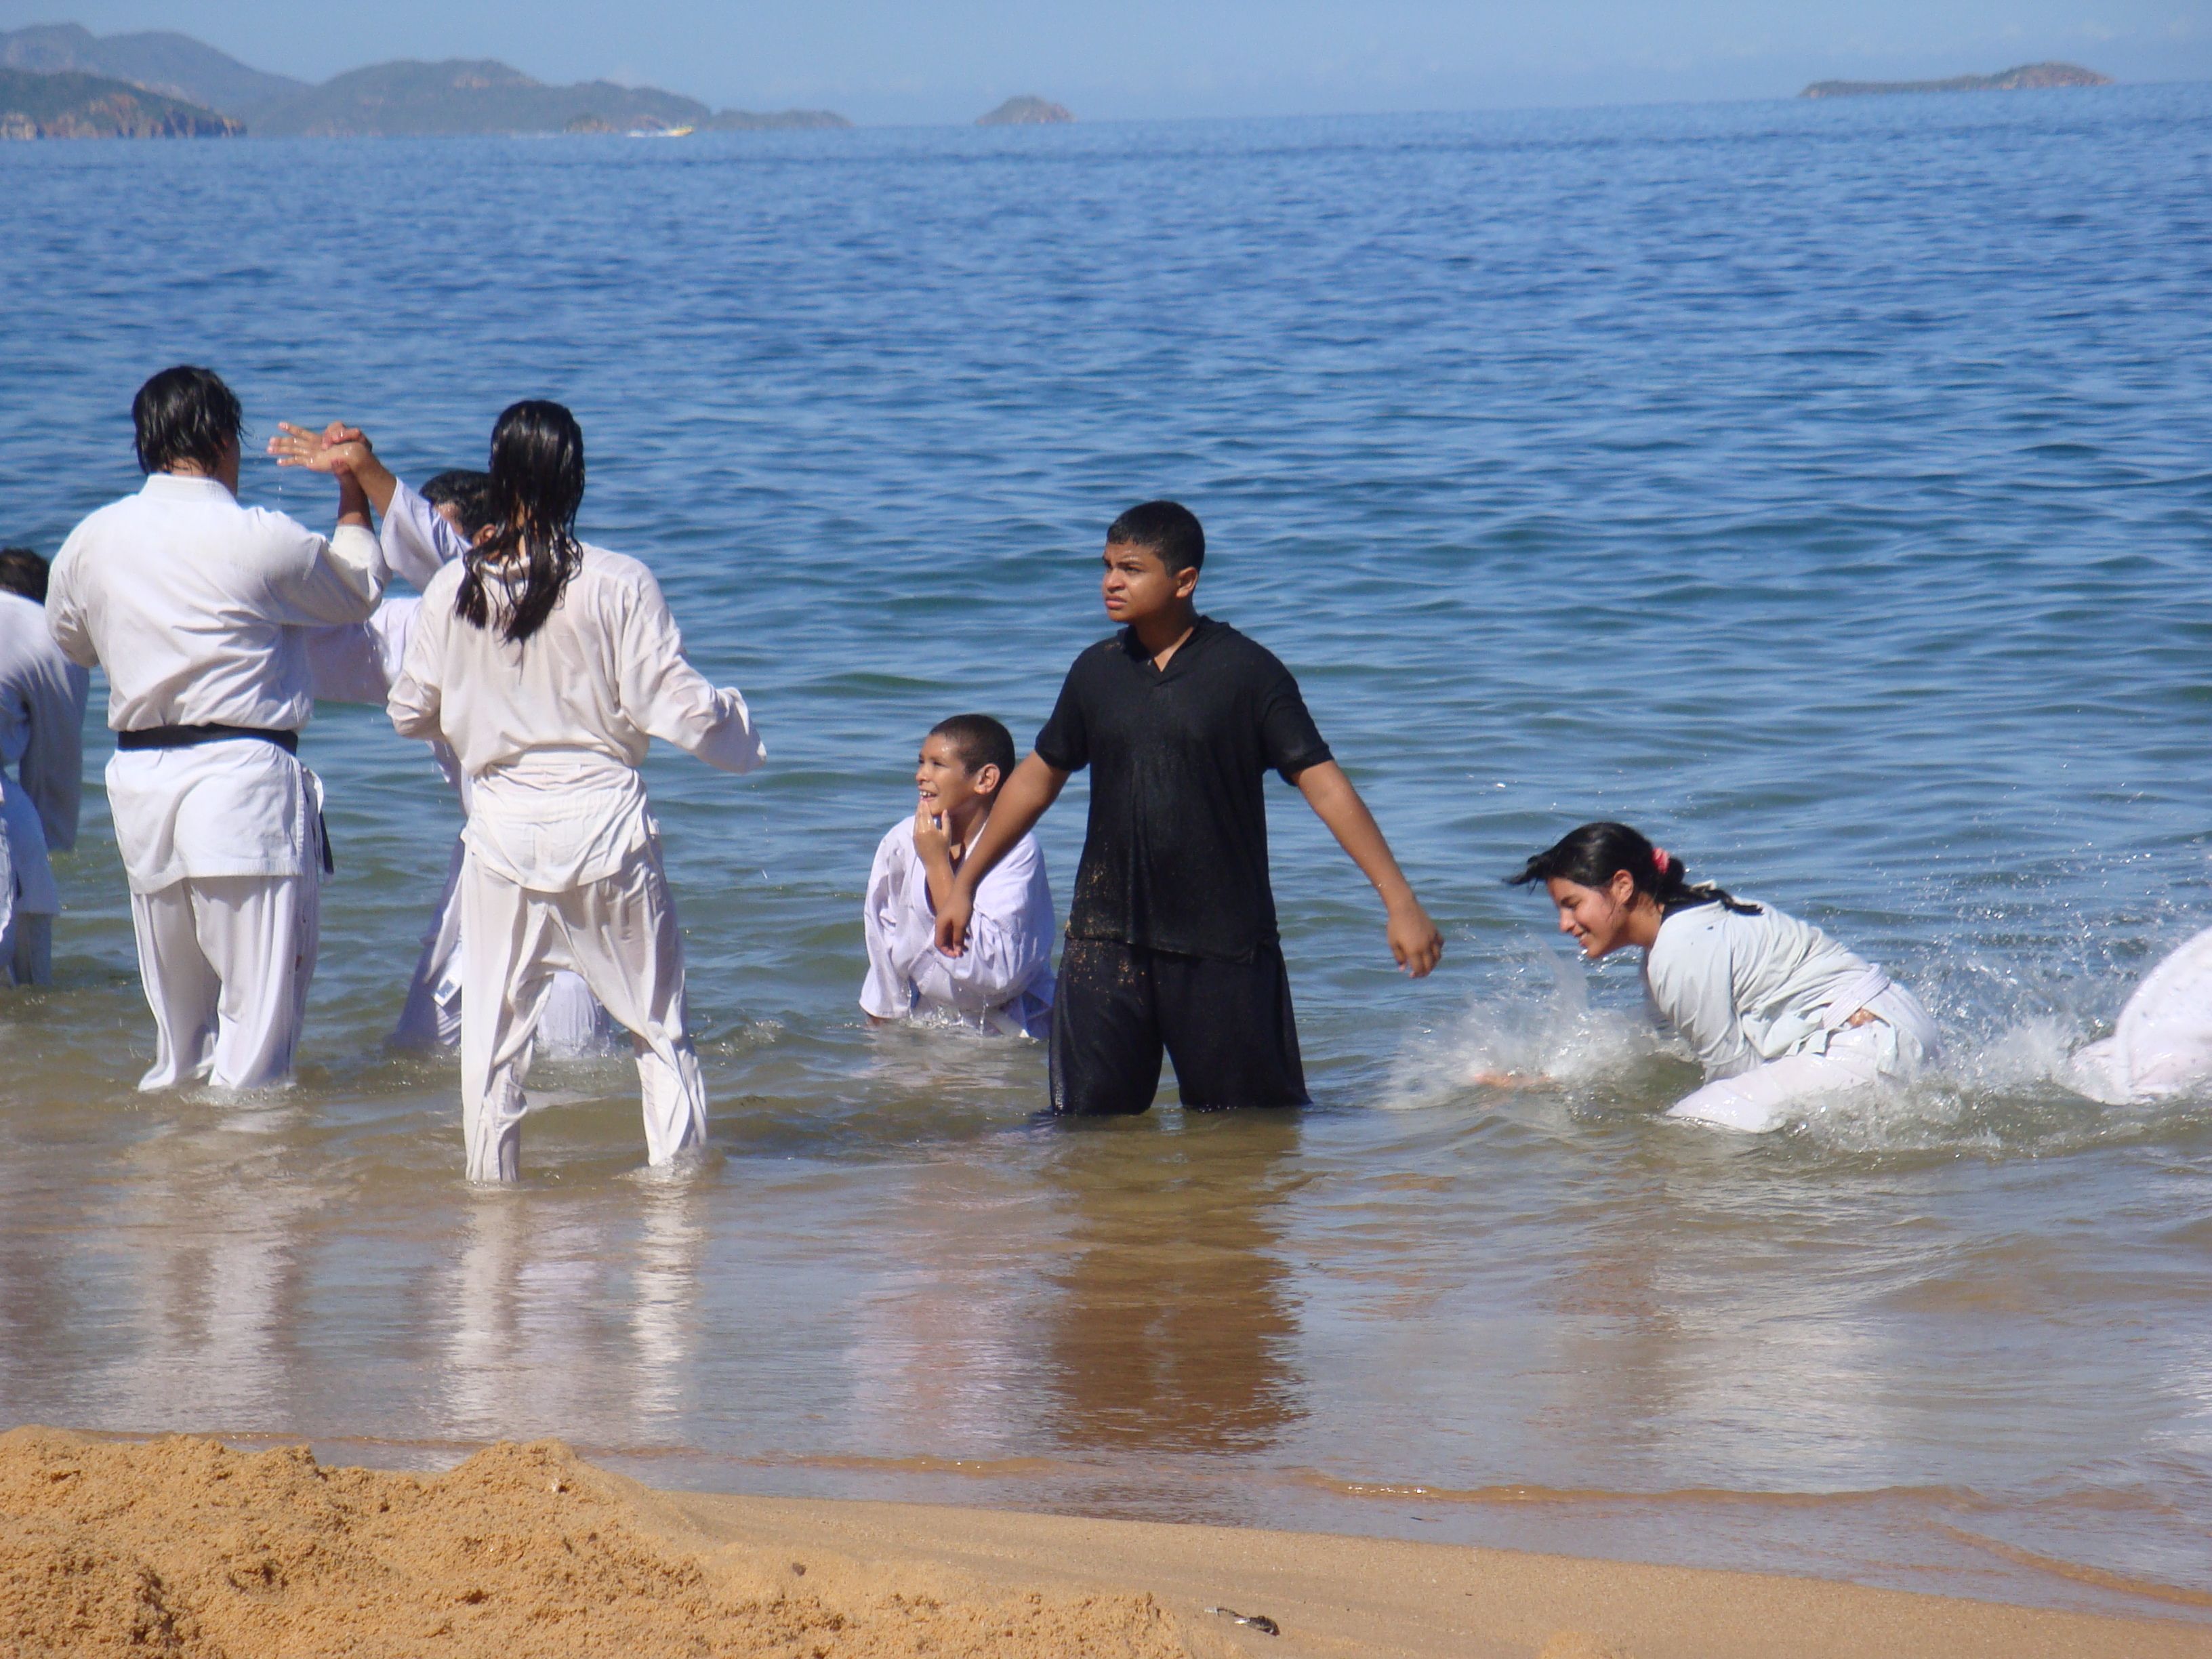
{"type": "Point", "coordinates": [191, 737]}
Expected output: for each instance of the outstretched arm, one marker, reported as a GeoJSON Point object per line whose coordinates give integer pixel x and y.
{"type": "Point", "coordinates": [1415, 940]}
{"type": "Point", "coordinates": [1033, 787]}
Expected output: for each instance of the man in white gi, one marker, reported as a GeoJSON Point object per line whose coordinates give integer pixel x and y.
{"type": "Point", "coordinates": [361, 663]}
{"type": "Point", "coordinates": [199, 608]}
{"type": "Point", "coordinates": [1003, 982]}
{"type": "Point", "coordinates": [42, 697]}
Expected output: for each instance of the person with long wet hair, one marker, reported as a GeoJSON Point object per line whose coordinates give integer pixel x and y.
{"type": "Point", "coordinates": [1777, 1013]}
{"type": "Point", "coordinates": [547, 664]}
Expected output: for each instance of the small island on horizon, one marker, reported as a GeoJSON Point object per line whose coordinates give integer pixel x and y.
{"type": "Point", "coordinates": [1027, 111]}
{"type": "Point", "coordinates": [2026, 77]}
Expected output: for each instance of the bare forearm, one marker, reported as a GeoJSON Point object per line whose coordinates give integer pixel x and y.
{"type": "Point", "coordinates": [1415, 940]}
{"type": "Point", "coordinates": [375, 480]}
{"type": "Point", "coordinates": [353, 501]}
{"type": "Point", "coordinates": [1024, 799]}
{"type": "Point", "coordinates": [938, 875]}
{"type": "Point", "coordinates": [1338, 804]}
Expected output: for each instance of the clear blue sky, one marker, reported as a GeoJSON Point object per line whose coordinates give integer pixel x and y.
{"type": "Point", "coordinates": [947, 60]}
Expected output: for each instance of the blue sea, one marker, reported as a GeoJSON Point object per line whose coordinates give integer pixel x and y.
{"type": "Point", "coordinates": [1825, 488]}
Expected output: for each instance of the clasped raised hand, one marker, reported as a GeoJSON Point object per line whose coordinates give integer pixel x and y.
{"type": "Point", "coordinates": [337, 448]}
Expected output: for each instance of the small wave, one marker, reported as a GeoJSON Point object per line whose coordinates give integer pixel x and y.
{"type": "Point", "coordinates": [1547, 1036]}
{"type": "Point", "coordinates": [2007, 1090]}
{"type": "Point", "coordinates": [1958, 1499]}
{"type": "Point", "coordinates": [2080, 1573]}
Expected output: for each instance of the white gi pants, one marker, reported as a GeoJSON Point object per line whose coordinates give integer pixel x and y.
{"type": "Point", "coordinates": [1889, 1050]}
{"type": "Point", "coordinates": [226, 961]}
{"type": "Point", "coordinates": [620, 934]}
{"type": "Point", "coordinates": [572, 1025]}
{"type": "Point", "coordinates": [27, 898]}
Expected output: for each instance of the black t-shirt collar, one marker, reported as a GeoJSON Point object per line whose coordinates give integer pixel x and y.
{"type": "Point", "coordinates": [1135, 651]}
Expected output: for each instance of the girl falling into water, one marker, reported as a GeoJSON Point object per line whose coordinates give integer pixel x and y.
{"type": "Point", "coordinates": [1778, 1013]}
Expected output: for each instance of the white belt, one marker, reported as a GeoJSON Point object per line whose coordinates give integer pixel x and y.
{"type": "Point", "coordinates": [1849, 1002]}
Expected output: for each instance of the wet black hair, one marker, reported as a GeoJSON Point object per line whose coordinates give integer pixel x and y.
{"type": "Point", "coordinates": [1589, 856]}
{"type": "Point", "coordinates": [186, 413]}
{"type": "Point", "coordinates": [1167, 528]}
{"type": "Point", "coordinates": [23, 571]}
{"type": "Point", "coordinates": [468, 493]}
{"type": "Point", "coordinates": [537, 485]}
{"type": "Point", "coordinates": [980, 741]}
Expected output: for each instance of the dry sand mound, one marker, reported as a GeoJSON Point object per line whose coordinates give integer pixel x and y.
{"type": "Point", "coordinates": [180, 1547]}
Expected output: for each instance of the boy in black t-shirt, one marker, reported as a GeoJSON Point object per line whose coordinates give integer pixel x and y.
{"type": "Point", "coordinates": [1171, 939]}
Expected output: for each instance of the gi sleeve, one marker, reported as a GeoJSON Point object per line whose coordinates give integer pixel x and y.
{"type": "Point", "coordinates": [1009, 937]}
{"type": "Point", "coordinates": [887, 993]}
{"type": "Point", "coordinates": [417, 704]}
{"type": "Point", "coordinates": [52, 766]}
{"type": "Point", "coordinates": [1064, 744]}
{"type": "Point", "coordinates": [668, 698]}
{"type": "Point", "coordinates": [65, 617]}
{"type": "Point", "coordinates": [313, 581]}
{"type": "Point", "coordinates": [1691, 976]}
{"type": "Point", "coordinates": [1288, 737]}
{"type": "Point", "coordinates": [417, 540]}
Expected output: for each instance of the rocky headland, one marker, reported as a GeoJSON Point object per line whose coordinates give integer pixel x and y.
{"type": "Point", "coordinates": [67, 82]}
{"type": "Point", "coordinates": [64, 104]}
{"type": "Point", "coordinates": [2027, 77]}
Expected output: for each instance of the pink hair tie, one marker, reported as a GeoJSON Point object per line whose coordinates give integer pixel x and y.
{"type": "Point", "coordinates": [1660, 860]}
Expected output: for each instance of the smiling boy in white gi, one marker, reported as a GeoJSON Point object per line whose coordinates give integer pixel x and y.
{"type": "Point", "coordinates": [1003, 982]}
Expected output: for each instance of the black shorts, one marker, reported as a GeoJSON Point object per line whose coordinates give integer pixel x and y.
{"type": "Point", "coordinates": [1227, 1025]}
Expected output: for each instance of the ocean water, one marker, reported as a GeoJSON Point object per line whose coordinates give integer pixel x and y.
{"type": "Point", "coordinates": [1824, 488]}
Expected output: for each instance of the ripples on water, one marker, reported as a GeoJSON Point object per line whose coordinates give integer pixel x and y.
{"type": "Point", "coordinates": [1824, 488]}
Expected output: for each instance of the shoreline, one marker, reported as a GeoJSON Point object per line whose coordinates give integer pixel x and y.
{"type": "Point", "coordinates": [178, 1545]}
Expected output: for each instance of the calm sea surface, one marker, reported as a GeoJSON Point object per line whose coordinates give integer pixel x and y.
{"type": "Point", "coordinates": [1825, 488]}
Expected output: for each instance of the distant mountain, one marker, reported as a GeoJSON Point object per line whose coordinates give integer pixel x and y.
{"type": "Point", "coordinates": [2028, 77]}
{"type": "Point", "coordinates": [400, 98]}
{"type": "Point", "coordinates": [1025, 112]}
{"type": "Point", "coordinates": [174, 65]}
{"type": "Point", "coordinates": [781, 120]}
{"type": "Point", "coordinates": [469, 95]}
{"type": "Point", "coordinates": [64, 104]}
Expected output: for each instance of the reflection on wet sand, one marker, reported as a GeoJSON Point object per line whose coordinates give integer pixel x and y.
{"type": "Point", "coordinates": [549, 1334]}
{"type": "Point", "coordinates": [1168, 1322]}
{"type": "Point", "coordinates": [213, 1219]}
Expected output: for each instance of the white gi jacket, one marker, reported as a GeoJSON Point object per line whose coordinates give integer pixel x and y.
{"type": "Point", "coordinates": [1003, 982]}
{"type": "Point", "coordinates": [1745, 990]}
{"type": "Point", "coordinates": [199, 610]}
{"type": "Point", "coordinates": [42, 698]}
{"type": "Point", "coordinates": [549, 733]}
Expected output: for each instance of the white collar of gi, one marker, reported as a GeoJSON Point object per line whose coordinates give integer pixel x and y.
{"type": "Point", "coordinates": [181, 487]}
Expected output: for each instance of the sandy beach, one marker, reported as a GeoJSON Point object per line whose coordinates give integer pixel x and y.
{"type": "Point", "coordinates": [182, 1547]}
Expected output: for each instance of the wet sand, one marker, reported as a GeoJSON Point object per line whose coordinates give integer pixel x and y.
{"type": "Point", "coordinates": [181, 1547]}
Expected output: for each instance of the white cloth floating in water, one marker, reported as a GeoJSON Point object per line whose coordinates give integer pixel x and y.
{"type": "Point", "coordinates": [2162, 1045]}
